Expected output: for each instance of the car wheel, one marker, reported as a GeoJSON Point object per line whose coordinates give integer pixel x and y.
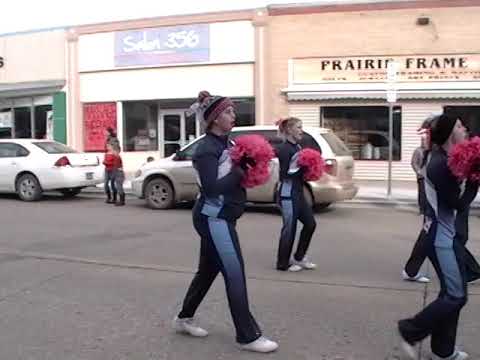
{"type": "Point", "coordinates": [28, 188]}
{"type": "Point", "coordinates": [70, 193]}
{"type": "Point", "coordinates": [159, 194]}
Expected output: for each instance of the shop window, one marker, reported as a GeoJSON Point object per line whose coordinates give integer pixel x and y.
{"type": "Point", "coordinates": [244, 111]}
{"type": "Point", "coordinates": [470, 116]}
{"type": "Point", "coordinates": [364, 130]}
{"type": "Point", "coordinates": [5, 123]}
{"type": "Point", "coordinates": [97, 117]}
{"type": "Point", "coordinates": [140, 124]}
{"type": "Point", "coordinates": [41, 113]}
{"type": "Point", "coordinates": [23, 123]}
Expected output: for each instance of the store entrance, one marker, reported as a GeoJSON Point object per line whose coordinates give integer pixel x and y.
{"type": "Point", "coordinates": [177, 129]}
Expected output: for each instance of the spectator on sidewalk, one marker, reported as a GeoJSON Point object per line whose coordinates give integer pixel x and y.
{"type": "Point", "coordinates": [418, 162]}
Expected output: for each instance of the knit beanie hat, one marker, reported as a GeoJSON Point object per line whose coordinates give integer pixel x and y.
{"type": "Point", "coordinates": [209, 107]}
{"type": "Point", "coordinates": [441, 128]}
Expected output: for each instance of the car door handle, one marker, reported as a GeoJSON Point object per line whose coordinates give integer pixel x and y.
{"type": "Point", "coordinates": [14, 163]}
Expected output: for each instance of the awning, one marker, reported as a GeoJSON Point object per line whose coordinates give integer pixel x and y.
{"type": "Point", "coordinates": [381, 95]}
{"type": "Point", "coordinates": [11, 90]}
{"type": "Point", "coordinates": [377, 91]}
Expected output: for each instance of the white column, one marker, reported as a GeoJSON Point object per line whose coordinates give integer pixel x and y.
{"type": "Point", "coordinates": [260, 23]}
{"type": "Point", "coordinates": [74, 111]}
{"type": "Point", "coordinates": [120, 130]}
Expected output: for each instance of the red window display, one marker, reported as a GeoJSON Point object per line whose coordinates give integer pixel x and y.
{"type": "Point", "coordinates": [97, 117]}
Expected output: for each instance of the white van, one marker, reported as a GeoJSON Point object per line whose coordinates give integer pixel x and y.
{"type": "Point", "coordinates": [171, 180]}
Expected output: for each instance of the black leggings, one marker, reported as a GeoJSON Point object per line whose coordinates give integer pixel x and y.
{"type": "Point", "coordinates": [440, 318]}
{"type": "Point", "coordinates": [294, 209]}
{"type": "Point", "coordinates": [420, 252]}
{"type": "Point", "coordinates": [220, 252]}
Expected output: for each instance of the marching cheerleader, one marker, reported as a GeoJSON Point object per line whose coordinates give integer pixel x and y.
{"type": "Point", "coordinates": [292, 200]}
{"type": "Point", "coordinates": [445, 198]}
{"type": "Point", "coordinates": [411, 271]}
{"type": "Point", "coordinates": [220, 204]}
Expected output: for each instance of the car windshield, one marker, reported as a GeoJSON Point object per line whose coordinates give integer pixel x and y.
{"type": "Point", "coordinates": [337, 146]}
{"type": "Point", "coordinates": [54, 147]}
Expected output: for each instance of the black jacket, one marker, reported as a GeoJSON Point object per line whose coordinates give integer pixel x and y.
{"type": "Point", "coordinates": [291, 175]}
{"type": "Point", "coordinates": [221, 195]}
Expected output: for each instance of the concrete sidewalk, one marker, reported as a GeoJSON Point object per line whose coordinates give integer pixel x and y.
{"type": "Point", "coordinates": [369, 191]}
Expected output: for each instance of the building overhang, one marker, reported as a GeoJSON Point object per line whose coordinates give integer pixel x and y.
{"type": "Point", "coordinates": [13, 90]}
{"type": "Point", "coordinates": [378, 91]}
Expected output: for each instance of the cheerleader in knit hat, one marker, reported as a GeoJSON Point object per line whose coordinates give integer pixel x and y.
{"type": "Point", "coordinates": [220, 204]}
{"type": "Point", "coordinates": [446, 197]}
{"type": "Point", "coordinates": [411, 271]}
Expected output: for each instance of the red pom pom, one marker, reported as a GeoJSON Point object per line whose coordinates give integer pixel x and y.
{"type": "Point", "coordinates": [464, 160]}
{"type": "Point", "coordinates": [313, 163]}
{"type": "Point", "coordinates": [258, 149]}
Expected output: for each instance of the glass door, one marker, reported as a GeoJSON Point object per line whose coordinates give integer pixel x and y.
{"type": "Point", "coordinates": [176, 130]}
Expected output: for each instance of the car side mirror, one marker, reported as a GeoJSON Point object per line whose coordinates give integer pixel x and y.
{"type": "Point", "coordinates": [179, 156]}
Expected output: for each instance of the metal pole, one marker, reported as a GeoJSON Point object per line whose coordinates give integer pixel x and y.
{"type": "Point", "coordinates": [390, 149]}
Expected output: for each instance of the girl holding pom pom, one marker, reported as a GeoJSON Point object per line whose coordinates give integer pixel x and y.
{"type": "Point", "coordinates": [220, 203]}
{"type": "Point", "coordinates": [446, 197]}
{"type": "Point", "coordinates": [292, 201]}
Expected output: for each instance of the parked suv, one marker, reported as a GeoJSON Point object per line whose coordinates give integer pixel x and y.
{"type": "Point", "coordinates": [165, 182]}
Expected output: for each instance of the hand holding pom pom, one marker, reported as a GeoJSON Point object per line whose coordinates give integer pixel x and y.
{"type": "Point", "coordinates": [246, 163]}
{"type": "Point", "coordinates": [464, 160]}
{"type": "Point", "coordinates": [312, 163]}
{"type": "Point", "coordinates": [253, 154]}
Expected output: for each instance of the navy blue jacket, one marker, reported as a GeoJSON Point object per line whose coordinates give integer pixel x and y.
{"type": "Point", "coordinates": [446, 199]}
{"type": "Point", "coordinates": [291, 175]}
{"type": "Point", "coordinates": [221, 195]}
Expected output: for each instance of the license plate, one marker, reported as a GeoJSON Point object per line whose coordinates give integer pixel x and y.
{"type": "Point", "coordinates": [89, 176]}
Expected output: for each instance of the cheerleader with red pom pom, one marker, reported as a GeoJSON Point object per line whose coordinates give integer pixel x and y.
{"type": "Point", "coordinates": [296, 167]}
{"type": "Point", "coordinates": [460, 159]}
{"type": "Point", "coordinates": [217, 209]}
{"type": "Point", "coordinates": [447, 197]}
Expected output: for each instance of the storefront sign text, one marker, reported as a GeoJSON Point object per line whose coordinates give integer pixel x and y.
{"type": "Point", "coordinates": [162, 46]}
{"type": "Point", "coordinates": [97, 118]}
{"type": "Point", "coordinates": [2, 62]}
{"type": "Point", "coordinates": [374, 69]}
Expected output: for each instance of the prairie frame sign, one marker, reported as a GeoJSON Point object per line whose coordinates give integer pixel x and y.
{"type": "Point", "coordinates": [417, 68]}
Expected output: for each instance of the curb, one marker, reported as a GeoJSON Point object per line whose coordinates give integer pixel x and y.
{"type": "Point", "coordinates": [373, 200]}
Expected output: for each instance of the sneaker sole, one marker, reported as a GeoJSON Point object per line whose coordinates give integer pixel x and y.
{"type": "Point", "coordinates": [257, 351]}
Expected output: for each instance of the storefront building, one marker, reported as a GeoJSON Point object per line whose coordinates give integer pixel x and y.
{"type": "Point", "coordinates": [328, 66]}
{"type": "Point", "coordinates": [140, 78]}
{"type": "Point", "coordinates": [32, 85]}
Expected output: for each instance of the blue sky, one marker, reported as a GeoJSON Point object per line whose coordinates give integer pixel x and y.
{"type": "Point", "coordinates": [25, 15]}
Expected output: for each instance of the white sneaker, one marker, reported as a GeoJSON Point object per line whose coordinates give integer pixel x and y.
{"type": "Point", "coordinates": [187, 326]}
{"type": "Point", "coordinates": [417, 278]}
{"type": "Point", "coordinates": [294, 268]}
{"type": "Point", "coordinates": [305, 264]}
{"type": "Point", "coordinates": [261, 345]}
{"type": "Point", "coordinates": [457, 355]}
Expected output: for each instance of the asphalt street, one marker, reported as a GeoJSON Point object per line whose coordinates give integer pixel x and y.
{"type": "Point", "coordinates": [83, 280]}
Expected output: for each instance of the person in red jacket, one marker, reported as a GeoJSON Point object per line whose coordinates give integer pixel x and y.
{"type": "Point", "coordinates": [113, 175]}
{"type": "Point", "coordinates": [119, 175]}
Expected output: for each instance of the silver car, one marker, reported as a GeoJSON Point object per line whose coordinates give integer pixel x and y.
{"type": "Point", "coordinates": [166, 182]}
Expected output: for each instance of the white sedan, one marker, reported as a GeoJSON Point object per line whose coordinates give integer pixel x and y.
{"type": "Point", "coordinates": [29, 167]}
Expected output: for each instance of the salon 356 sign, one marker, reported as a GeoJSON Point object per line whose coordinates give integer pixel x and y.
{"type": "Point", "coordinates": [162, 46]}
{"type": "Point", "coordinates": [2, 62]}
